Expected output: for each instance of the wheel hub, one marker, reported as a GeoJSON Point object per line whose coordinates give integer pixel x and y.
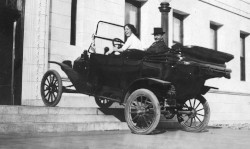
{"type": "Point", "coordinates": [141, 111]}
{"type": "Point", "coordinates": [51, 88]}
{"type": "Point", "coordinates": [193, 113]}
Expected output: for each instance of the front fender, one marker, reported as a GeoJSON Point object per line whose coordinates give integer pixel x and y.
{"type": "Point", "coordinates": [77, 79]}
{"type": "Point", "coordinates": [63, 65]}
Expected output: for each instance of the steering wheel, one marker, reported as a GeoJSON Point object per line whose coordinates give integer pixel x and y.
{"type": "Point", "coordinates": [117, 42]}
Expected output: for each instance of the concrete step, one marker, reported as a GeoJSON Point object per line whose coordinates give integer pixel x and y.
{"type": "Point", "coordinates": [7, 128]}
{"type": "Point", "coordinates": [33, 119]}
{"type": "Point", "coordinates": [77, 100]}
{"type": "Point", "coordinates": [81, 100]}
{"type": "Point", "coordinates": [71, 100]}
{"type": "Point", "coordinates": [56, 118]}
{"type": "Point", "coordinates": [36, 110]}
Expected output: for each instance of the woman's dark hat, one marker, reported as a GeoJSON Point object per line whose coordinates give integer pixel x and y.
{"type": "Point", "coordinates": [158, 30]}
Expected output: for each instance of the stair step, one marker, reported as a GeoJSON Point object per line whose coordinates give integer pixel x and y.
{"type": "Point", "coordinates": [35, 119]}
{"type": "Point", "coordinates": [77, 100]}
{"type": "Point", "coordinates": [35, 110]}
{"type": "Point", "coordinates": [8, 128]}
{"type": "Point", "coordinates": [11, 118]}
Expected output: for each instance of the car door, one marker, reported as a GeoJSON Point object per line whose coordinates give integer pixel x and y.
{"type": "Point", "coordinates": [131, 69]}
{"type": "Point", "coordinates": [112, 71]}
{"type": "Point", "coordinates": [107, 69]}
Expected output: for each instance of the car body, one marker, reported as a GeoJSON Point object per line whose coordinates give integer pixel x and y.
{"type": "Point", "coordinates": [148, 84]}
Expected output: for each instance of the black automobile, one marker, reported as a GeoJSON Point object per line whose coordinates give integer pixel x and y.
{"type": "Point", "coordinates": [149, 85]}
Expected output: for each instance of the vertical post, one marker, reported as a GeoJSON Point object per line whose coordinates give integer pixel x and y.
{"type": "Point", "coordinates": [13, 64]}
{"type": "Point", "coordinates": [73, 22]}
{"type": "Point", "coordinates": [165, 9]}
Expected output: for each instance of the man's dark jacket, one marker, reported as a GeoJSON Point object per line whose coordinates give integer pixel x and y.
{"type": "Point", "coordinates": [158, 47]}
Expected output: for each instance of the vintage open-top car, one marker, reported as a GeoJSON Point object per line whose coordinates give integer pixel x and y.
{"type": "Point", "coordinates": [149, 85]}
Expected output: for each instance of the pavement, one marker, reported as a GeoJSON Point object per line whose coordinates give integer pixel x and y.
{"type": "Point", "coordinates": [214, 137]}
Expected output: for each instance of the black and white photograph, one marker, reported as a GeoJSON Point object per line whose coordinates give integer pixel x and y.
{"type": "Point", "coordinates": [124, 74]}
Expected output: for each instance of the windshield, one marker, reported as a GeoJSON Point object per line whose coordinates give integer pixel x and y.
{"type": "Point", "coordinates": [105, 33]}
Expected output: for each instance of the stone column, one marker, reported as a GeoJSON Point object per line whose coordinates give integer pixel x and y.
{"type": "Point", "coordinates": [165, 9]}
{"type": "Point", "coordinates": [35, 49]}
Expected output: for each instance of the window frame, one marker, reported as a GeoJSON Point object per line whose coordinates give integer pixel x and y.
{"type": "Point", "coordinates": [215, 38]}
{"type": "Point", "coordinates": [243, 56]}
{"type": "Point", "coordinates": [138, 5]}
{"type": "Point", "coordinates": [181, 18]}
{"type": "Point", "coordinates": [73, 22]}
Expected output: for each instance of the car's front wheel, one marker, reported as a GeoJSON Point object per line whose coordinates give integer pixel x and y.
{"type": "Point", "coordinates": [142, 111]}
{"type": "Point", "coordinates": [51, 88]}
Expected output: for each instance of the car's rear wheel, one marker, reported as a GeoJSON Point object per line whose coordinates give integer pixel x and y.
{"type": "Point", "coordinates": [197, 114]}
{"type": "Point", "coordinates": [51, 88]}
{"type": "Point", "coordinates": [142, 111]}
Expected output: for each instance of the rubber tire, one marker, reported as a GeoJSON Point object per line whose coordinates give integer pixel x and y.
{"type": "Point", "coordinates": [150, 95]}
{"type": "Point", "coordinates": [59, 90]}
{"type": "Point", "coordinates": [102, 105]}
{"type": "Point", "coordinates": [205, 121]}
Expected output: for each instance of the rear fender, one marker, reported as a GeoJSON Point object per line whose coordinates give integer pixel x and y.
{"type": "Point", "coordinates": [157, 86]}
{"type": "Point", "coordinates": [205, 89]}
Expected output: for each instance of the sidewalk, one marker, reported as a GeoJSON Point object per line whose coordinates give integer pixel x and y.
{"type": "Point", "coordinates": [215, 137]}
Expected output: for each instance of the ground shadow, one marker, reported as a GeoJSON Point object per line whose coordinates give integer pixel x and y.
{"type": "Point", "coordinates": [162, 127]}
{"type": "Point", "coordinates": [158, 131]}
{"type": "Point", "coordinates": [214, 127]}
{"type": "Point", "coordinates": [117, 112]}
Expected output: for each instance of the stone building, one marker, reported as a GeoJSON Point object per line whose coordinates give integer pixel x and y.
{"type": "Point", "coordinates": [62, 29]}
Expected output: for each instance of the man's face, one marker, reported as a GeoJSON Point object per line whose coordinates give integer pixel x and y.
{"type": "Point", "coordinates": [158, 37]}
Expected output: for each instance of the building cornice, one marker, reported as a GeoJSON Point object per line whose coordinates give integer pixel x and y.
{"type": "Point", "coordinates": [232, 9]}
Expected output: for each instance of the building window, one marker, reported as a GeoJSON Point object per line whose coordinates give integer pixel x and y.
{"type": "Point", "coordinates": [213, 36]}
{"type": "Point", "coordinates": [242, 56]}
{"type": "Point", "coordinates": [178, 28]}
{"type": "Point", "coordinates": [73, 23]}
{"type": "Point", "coordinates": [132, 14]}
{"type": "Point", "coordinates": [214, 27]}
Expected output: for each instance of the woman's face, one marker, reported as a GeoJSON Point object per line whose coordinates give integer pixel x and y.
{"type": "Point", "coordinates": [128, 31]}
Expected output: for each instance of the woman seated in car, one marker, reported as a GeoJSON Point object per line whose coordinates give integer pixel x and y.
{"type": "Point", "coordinates": [131, 40]}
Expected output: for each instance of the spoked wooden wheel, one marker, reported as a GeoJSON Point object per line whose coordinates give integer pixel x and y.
{"type": "Point", "coordinates": [194, 114]}
{"type": "Point", "coordinates": [142, 111]}
{"type": "Point", "coordinates": [51, 88]}
{"type": "Point", "coordinates": [103, 102]}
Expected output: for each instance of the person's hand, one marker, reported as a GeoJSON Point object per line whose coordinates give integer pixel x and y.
{"type": "Point", "coordinates": [92, 48]}
{"type": "Point", "coordinates": [110, 51]}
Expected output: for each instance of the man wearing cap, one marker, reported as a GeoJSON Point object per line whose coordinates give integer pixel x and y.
{"type": "Point", "coordinates": [159, 45]}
